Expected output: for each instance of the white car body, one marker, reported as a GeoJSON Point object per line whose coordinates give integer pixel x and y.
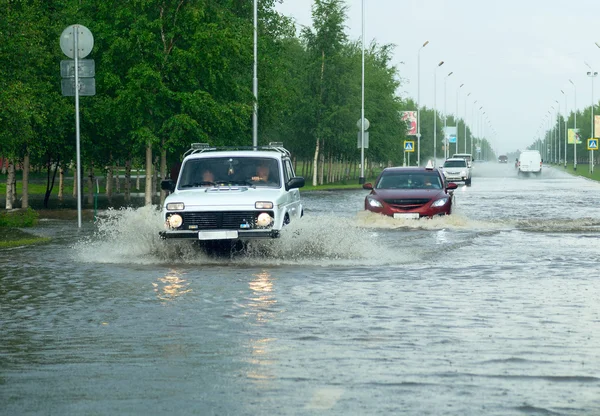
{"type": "Point", "coordinates": [530, 161]}
{"type": "Point", "coordinates": [230, 208]}
{"type": "Point", "coordinates": [457, 169]}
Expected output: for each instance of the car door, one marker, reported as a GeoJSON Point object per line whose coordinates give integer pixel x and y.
{"type": "Point", "coordinates": [295, 208]}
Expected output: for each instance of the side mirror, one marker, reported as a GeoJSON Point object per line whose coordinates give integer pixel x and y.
{"type": "Point", "coordinates": [367, 185]}
{"type": "Point", "coordinates": [295, 182]}
{"type": "Point", "coordinates": [451, 185]}
{"type": "Point", "coordinates": [168, 185]}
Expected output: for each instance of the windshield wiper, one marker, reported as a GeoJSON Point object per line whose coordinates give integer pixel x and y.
{"type": "Point", "coordinates": [196, 184]}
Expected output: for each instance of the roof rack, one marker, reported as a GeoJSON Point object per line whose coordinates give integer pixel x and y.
{"type": "Point", "coordinates": [205, 147]}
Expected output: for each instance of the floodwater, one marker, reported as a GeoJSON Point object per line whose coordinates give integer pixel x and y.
{"type": "Point", "coordinates": [494, 310]}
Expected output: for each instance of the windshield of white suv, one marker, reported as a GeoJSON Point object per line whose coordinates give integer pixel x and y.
{"type": "Point", "coordinates": [455, 163]}
{"type": "Point", "coordinates": [216, 171]}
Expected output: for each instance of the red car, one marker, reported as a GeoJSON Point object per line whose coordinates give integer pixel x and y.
{"type": "Point", "coordinates": [410, 193]}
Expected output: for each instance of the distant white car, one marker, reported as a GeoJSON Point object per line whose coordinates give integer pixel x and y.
{"type": "Point", "coordinates": [457, 170]}
{"type": "Point", "coordinates": [232, 194]}
{"type": "Point", "coordinates": [530, 161]}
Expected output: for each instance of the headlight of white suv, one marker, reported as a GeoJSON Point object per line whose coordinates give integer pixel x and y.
{"type": "Point", "coordinates": [440, 202]}
{"type": "Point", "coordinates": [174, 221]}
{"type": "Point", "coordinates": [463, 173]}
{"type": "Point", "coordinates": [374, 203]}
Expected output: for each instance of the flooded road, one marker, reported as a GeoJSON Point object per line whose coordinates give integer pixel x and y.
{"type": "Point", "coordinates": [494, 310]}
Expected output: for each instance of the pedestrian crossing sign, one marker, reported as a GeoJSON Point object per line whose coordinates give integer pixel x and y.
{"type": "Point", "coordinates": [592, 144]}
{"type": "Point", "coordinates": [409, 146]}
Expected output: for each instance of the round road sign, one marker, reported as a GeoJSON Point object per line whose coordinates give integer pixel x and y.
{"type": "Point", "coordinates": [85, 41]}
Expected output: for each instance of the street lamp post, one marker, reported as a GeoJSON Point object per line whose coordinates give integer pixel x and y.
{"type": "Point", "coordinates": [551, 133]}
{"type": "Point", "coordinates": [419, 104]}
{"type": "Point", "coordinates": [255, 80]}
{"type": "Point", "coordinates": [592, 74]}
{"type": "Point", "coordinates": [473, 126]}
{"type": "Point", "coordinates": [435, 113]}
{"type": "Point", "coordinates": [465, 122]}
{"type": "Point", "coordinates": [557, 142]}
{"type": "Point", "coordinates": [566, 118]}
{"type": "Point", "coordinates": [361, 180]}
{"type": "Point", "coordinates": [456, 118]}
{"type": "Point", "coordinates": [575, 128]}
{"type": "Point", "coordinates": [445, 118]}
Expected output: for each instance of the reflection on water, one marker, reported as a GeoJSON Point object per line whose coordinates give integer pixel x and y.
{"type": "Point", "coordinates": [171, 286]}
{"type": "Point", "coordinates": [261, 304]}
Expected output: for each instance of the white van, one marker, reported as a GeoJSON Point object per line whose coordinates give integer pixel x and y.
{"type": "Point", "coordinates": [530, 161]}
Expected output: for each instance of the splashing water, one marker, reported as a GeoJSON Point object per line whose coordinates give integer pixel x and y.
{"type": "Point", "coordinates": [131, 236]}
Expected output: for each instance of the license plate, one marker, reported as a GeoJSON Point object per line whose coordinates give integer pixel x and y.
{"type": "Point", "coordinates": [407, 216]}
{"type": "Point", "coordinates": [217, 235]}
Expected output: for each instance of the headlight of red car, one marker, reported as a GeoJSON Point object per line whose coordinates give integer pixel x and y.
{"type": "Point", "coordinates": [374, 203]}
{"type": "Point", "coordinates": [440, 202]}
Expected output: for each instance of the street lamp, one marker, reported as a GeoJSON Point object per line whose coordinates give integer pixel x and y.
{"type": "Point", "coordinates": [465, 122]}
{"type": "Point", "coordinates": [255, 80]}
{"type": "Point", "coordinates": [445, 119]}
{"type": "Point", "coordinates": [566, 133]}
{"type": "Point", "coordinates": [557, 142]}
{"type": "Point", "coordinates": [419, 104]}
{"type": "Point", "coordinates": [456, 121]}
{"type": "Point", "coordinates": [361, 180]}
{"type": "Point", "coordinates": [575, 128]}
{"type": "Point", "coordinates": [435, 113]}
{"type": "Point", "coordinates": [592, 74]}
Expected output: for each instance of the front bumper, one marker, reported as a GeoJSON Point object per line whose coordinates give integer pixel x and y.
{"type": "Point", "coordinates": [210, 235]}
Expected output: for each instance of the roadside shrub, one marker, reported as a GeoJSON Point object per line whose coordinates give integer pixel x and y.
{"type": "Point", "coordinates": [19, 218]}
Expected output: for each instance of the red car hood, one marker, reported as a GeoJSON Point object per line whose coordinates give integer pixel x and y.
{"type": "Point", "coordinates": [408, 193]}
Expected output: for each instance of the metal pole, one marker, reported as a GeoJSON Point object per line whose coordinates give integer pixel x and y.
{"type": "Point", "coordinates": [593, 74]}
{"type": "Point", "coordinates": [566, 133]}
{"type": "Point", "coordinates": [435, 113]}
{"type": "Point", "coordinates": [557, 142]}
{"type": "Point", "coordinates": [77, 135]}
{"type": "Point", "coordinates": [465, 122]}
{"type": "Point", "coordinates": [456, 121]}
{"type": "Point", "coordinates": [419, 104]}
{"type": "Point", "coordinates": [255, 79]}
{"type": "Point", "coordinates": [361, 180]}
{"type": "Point", "coordinates": [575, 128]}
{"type": "Point", "coordinates": [445, 119]}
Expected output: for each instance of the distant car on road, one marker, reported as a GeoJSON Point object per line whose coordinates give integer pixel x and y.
{"type": "Point", "coordinates": [457, 170]}
{"type": "Point", "coordinates": [502, 159]}
{"type": "Point", "coordinates": [410, 193]}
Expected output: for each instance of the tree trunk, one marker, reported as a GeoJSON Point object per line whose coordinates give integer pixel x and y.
{"type": "Point", "coordinates": [91, 185]}
{"type": "Point", "coordinates": [109, 181]}
{"type": "Point", "coordinates": [315, 164]}
{"type": "Point", "coordinates": [321, 167]}
{"type": "Point", "coordinates": [61, 182]}
{"type": "Point", "coordinates": [117, 178]}
{"type": "Point", "coordinates": [75, 176]}
{"type": "Point", "coordinates": [148, 189]}
{"type": "Point", "coordinates": [163, 171]}
{"type": "Point", "coordinates": [25, 182]}
{"type": "Point", "coordinates": [127, 179]}
{"type": "Point", "coordinates": [9, 184]}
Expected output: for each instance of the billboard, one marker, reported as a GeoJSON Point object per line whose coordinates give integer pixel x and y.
{"type": "Point", "coordinates": [571, 136]}
{"type": "Point", "coordinates": [450, 134]}
{"type": "Point", "coordinates": [410, 118]}
{"type": "Point", "coordinates": [596, 126]}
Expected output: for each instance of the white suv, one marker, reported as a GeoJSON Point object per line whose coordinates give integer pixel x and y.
{"type": "Point", "coordinates": [232, 194]}
{"type": "Point", "coordinates": [457, 169]}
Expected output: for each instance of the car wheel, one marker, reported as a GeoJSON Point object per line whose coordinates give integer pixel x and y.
{"type": "Point", "coordinates": [468, 182]}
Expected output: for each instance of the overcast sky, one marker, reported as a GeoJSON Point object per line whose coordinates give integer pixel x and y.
{"type": "Point", "coordinates": [514, 57]}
